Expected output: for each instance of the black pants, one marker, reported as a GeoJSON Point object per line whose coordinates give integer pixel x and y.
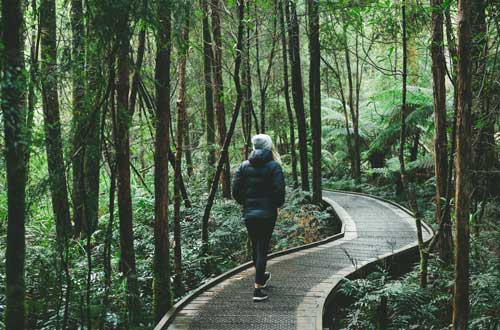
{"type": "Point", "coordinates": [260, 231]}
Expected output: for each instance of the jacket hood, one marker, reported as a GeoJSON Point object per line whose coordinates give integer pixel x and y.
{"type": "Point", "coordinates": [260, 157]}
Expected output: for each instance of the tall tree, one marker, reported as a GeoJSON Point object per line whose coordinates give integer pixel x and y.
{"type": "Point", "coordinates": [52, 121]}
{"type": "Point", "coordinates": [246, 118]}
{"type": "Point", "coordinates": [463, 167]}
{"type": "Point", "coordinates": [485, 152]}
{"type": "Point", "coordinates": [406, 187]}
{"type": "Point", "coordinates": [219, 93]}
{"type": "Point", "coordinates": [127, 256]}
{"type": "Point", "coordinates": [315, 97]}
{"type": "Point", "coordinates": [78, 67]}
{"type": "Point", "coordinates": [236, 110]}
{"type": "Point", "coordinates": [286, 89]}
{"type": "Point", "coordinates": [90, 138]}
{"type": "Point", "coordinates": [53, 140]}
{"type": "Point", "coordinates": [162, 295]}
{"type": "Point", "coordinates": [297, 90]}
{"type": "Point", "coordinates": [353, 100]}
{"type": "Point", "coordinates": [13, 102]}
{"type": "Point", "coordinates": [445, 245]}
{"type": "Point", "coordinates": [264, 81]}
{"type": "Point", "coordinates": [33, 73]}
{"type": "Point", "coordinates": [209, 99]}
{"type": "Point", "coordinates": [183, 47]}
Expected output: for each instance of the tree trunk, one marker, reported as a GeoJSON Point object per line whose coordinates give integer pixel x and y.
{"type": "Point", "coordinates": [336, 72]}
{"type": "Point", "coordinates": [485, 152]}
{"type": "Point", "coordinates": [287, 95]}
{"type": "Point", "coordinates": [78, 74]}
{"type": "Point", "coordinates": [297, 91]}
{"type": "Point", "coordinates": [463, 167]}
{"type": "Point", "coordinates": [225, 146]}
{"type": "Point", "coordinates": [13, 102]}
{"type": "Point", "coordinates": [32, 99]}
{"type": "Point", "coordinates": [181, 114]}
{"type": "Point", "coordinates": [187, 146]}
{"type": "Point", "coordinates": [111, 160]}
{"type": "Point", "coordinates": [315, 97]}
{"type": "Point", "coordinates": [247, 91]}
{"type": "Point", "coordinates": [354, 113]}
{"type": "Point", "coordinates": [52, 123]}
{"type": "Point", "coordinates": [407, 189]}
{"type": "Point", "coordinates": [127, 256]}
{"type": "Point", "coordinates": [209, 97]}
{"type": "Point", "coordinates": [86, 138]}
{"type": "Point", "coordinates": [219, 94]}
{"type": "Point", "coordinates": [264, 82]}
{"type": "Point", "coordinates": [162, 295]}
{"type": "Point", "coordinates": [136, 78]}
{"type": "Point", "coordinates": [445, 245]}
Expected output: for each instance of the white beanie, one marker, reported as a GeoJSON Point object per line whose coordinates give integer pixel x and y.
{"type": "Point", "coordinates": [262, 141]}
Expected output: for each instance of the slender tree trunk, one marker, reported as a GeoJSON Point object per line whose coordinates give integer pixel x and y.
{"type": "Point", "coordinates": [136, 78]}
{"type": "Point", "coordinates": [445, 245]}
{"type": "Point", "coordinates": [78, 67]}
{"type": "Point", "coordinates": [13, 103]}
{"type": "Point", "coordinates": [127, 256]}
{"type": "Point", "coordinates": [86, 138]}
{"type": "Point", "coordinates": [53, 140]}
{"type": "Point", "coordinates": [463, 167]}
{"type": "Point", "coordinates": [353, 111]}
{"type": "Point", "coordinates": [52, 121]}
{"type": "Point", "coordinates": [452, 50]}
{"type": "Point", "coordinates": [264, 82]}
{"type": "Point", "coordinates": [297, 91]}
{"type": "Point", "coordinates": [209, 99]}
{"type": "Point", "coordinates": [315, 97]}
{"type": "Point", "coordinates": [247, 91]}
{"type": "Point", "coordinates": [407, 189]}
{"type": "Point", "coordinates": [181, 114]}
{"type": "Point", "coordinates": [185, 197]}
{"type": "Point", "coordinates": [32, 99]}
{"type": "Point", "coordinates": [287, 95]}
{"type": "Point", "coordinates": [111, 203]}
{"type": "Point", "coordinates": [336, 72]}
{"type": "Point", "coordinates": [162, 295]}
{"type": "Point", "coordinates": [219, 93]}
{"type": "Point", "coordinates": [485, 152]}
{"type": "Point", "coordinates": [225, 146]}
{"type": "Point", "coordinates": [257, 66]}
{"type": "Point", "coordinates": [187, 146]}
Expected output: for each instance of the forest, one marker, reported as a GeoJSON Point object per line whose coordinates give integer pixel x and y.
{"type": "Point", "coordinates": [123, 123]}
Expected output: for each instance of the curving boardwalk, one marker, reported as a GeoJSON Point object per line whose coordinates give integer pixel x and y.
{"type": "Point", "coordinates": [372, 230]}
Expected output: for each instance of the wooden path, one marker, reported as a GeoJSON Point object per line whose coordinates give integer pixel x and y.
{"type": "Point", "coordinates": [372, 230]}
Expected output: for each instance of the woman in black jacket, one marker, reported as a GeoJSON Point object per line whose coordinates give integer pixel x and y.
{"type": "Point", "coordinates": [259, 186]}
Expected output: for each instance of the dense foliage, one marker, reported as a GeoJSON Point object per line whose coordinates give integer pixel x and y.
{"type": "Point", "coordinates": [396, 99]}
{"type": "Point", "coordinates": [407, 304]}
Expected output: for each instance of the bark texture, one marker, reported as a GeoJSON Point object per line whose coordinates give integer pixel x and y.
{"type": "Point", "coordinates": [13, 102]}
{"type": "Point", "coordinates": [463, 168]}
{"type": "Point", "coordinates": [162, 295]}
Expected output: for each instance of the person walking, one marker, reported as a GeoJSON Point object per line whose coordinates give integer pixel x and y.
{"type": "Point", "coordinates": [259, 186]}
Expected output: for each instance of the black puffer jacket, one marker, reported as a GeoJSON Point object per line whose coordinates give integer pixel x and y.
{"type": "Point", "coordinates": [259, 186]}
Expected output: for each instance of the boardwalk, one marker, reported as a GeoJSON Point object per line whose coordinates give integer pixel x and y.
{"type": "Point", "coordinates": [302, 280]}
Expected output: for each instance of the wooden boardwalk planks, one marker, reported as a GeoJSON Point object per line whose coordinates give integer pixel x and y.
{"type": "Point", "coordinates": [302, 280]}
